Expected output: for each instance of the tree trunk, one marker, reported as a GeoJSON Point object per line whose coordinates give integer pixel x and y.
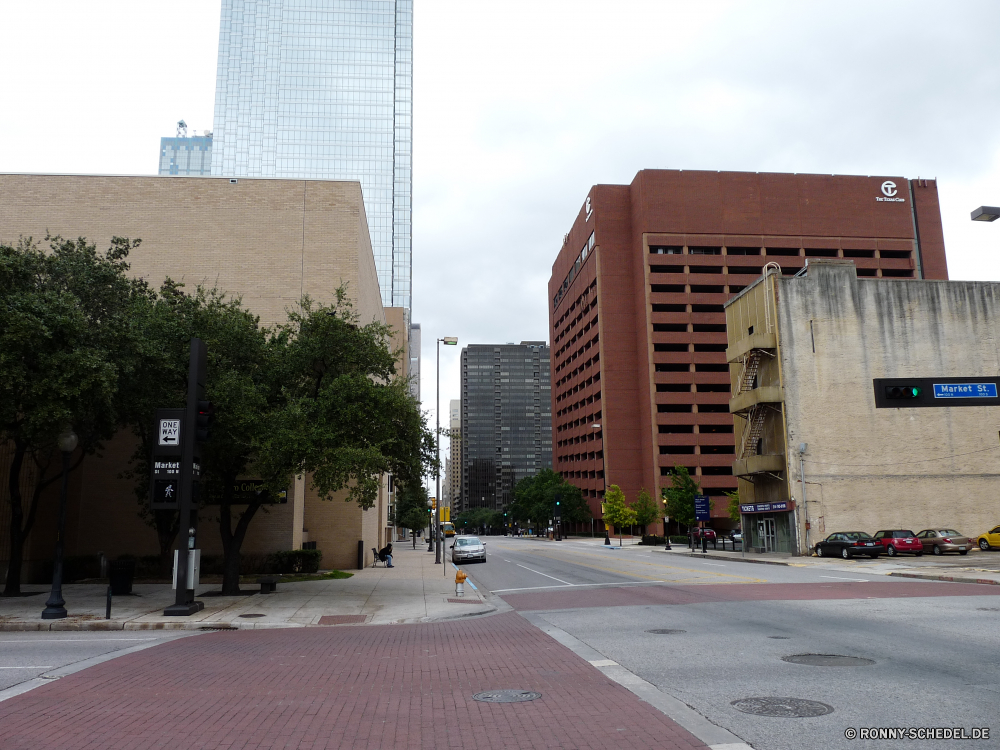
{"type": "Point", "coordinates": [12, 586]}
{"type": "Point", "coordinates": [232, 540]}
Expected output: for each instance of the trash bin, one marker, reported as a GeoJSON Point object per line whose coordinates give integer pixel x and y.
{"type": "Point", "coordinates": [121, 574]}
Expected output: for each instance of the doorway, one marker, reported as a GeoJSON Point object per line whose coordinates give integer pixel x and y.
{"type": "Point", "coordinates": [766, 534]}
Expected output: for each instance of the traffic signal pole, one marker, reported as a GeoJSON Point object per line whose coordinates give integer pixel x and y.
{"type": "Point", "coordinates": [184, 603]}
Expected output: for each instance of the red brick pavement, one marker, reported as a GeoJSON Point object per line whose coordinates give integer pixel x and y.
{"type": "Point", "coordinates": [733, 592]}
{"type": "Point", "coordinates": [391, 686]}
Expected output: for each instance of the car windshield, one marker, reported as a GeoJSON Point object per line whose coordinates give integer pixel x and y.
{"type": "Point", "coordinates": [470, 542]}
{"type": "Point", "coordinates": [902, 534]}
{"type": "Point", "coordinates": [949, 532]}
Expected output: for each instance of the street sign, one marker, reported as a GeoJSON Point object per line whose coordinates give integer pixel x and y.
{"type": "Point", "coordinates": [170, 433]}
{"type": "Point", "coordinates": [916, 392]}
{"type": "Point", "coordinates": [702, 508]}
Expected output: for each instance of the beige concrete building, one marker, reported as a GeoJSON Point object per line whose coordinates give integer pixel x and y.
{"type": "Point", "coordinates": [821, 446]}
{"type": "Point", "coordinates": [268, 240]}
{"type": "Point", "coordinates": [453, 475]}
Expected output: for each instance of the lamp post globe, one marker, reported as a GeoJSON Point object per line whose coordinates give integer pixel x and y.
{"type": "Point", "coordinates": [55, 608]}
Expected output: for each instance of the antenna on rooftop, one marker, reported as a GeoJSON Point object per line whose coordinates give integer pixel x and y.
{"type": "Point", "coordinates": [182, 129]}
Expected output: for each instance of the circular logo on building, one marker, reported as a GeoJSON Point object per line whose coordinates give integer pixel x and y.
{"type": "Point", "coordinates": [889, 188]}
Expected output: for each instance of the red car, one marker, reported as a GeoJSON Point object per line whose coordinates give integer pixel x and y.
{"type": "Point", "coordinates": [899, 540]}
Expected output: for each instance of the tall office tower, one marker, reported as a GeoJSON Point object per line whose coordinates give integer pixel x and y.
{"type": "Point", "coordinates": [186, 156]}
{"type": "Point", "coordinates": [506, 420]}
{"type": "Point", "coordinates": [323, 89]}
{"type": "Point", "coordinates": [453, 472]}
{"type": "Point", "coordinates": [641, 372]}
{"type": "Point", "coordinates": [415, 361]}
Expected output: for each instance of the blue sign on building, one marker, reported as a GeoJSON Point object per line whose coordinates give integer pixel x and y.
{"type": "Point", "coordinates": [702, 508]}
{"type": "Point", "coordinates": [965, 390]}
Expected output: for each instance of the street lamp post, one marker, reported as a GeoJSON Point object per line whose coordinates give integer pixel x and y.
{"type": "Point", "coordinates": [55, 608]}
{"type": "Point", "coordinates": [986, 213]}
{"type": "Point", "coordinates": [438, 552]}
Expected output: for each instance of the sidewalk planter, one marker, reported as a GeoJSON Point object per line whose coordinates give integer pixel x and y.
{"type": "Point", "coordinates": [121, 573]}
{"type": "Point", "coordinates": [295, 561]}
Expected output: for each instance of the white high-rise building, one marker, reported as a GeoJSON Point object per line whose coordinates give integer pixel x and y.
{"type": "Point", "coordinates": [323, 89]}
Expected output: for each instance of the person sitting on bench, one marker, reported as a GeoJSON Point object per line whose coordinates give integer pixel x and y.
{"type": "Point", "coordinates": [386, 554]}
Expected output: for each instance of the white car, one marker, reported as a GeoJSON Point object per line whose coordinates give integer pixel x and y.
{"type": "Point", "coordinates": [468, 548]}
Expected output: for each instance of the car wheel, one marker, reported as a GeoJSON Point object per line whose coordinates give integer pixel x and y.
{"type": "Point", "coordinates": [963, 552]}
{"type": "Point", "coordinates": [919, 554]}
{"type": "Point", "coordinates": [937, 549]}
{"type": "Point", "coordinates": [984, 545]}
{"type": "Point", "coordinates": [890, 551]}
{"type": "Point", "coordinates": [874, 555]}
{"type": "Point", "coordinates": [819, 551]}
{"type": "Point", "coordinates": [845, 554]}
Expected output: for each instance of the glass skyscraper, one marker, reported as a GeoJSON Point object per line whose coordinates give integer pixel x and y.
{"type": "Point", "coordinates": [323, 89]}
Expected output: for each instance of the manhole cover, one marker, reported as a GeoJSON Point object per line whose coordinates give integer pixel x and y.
{"type": "Point", "coordinates": [665, 631]}
{"type": "Point", "coordinates": [828, 660]}
{"type": "Point", "coordinates": [780, 637]}
{"type": "Point", "coordinates": [253, 615]}
{"type": "Point", "coordinates": [506, 696]}
{"type": "Point", "coordinates": [785, 708]}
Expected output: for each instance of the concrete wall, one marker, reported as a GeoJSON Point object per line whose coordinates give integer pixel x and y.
{"type": "Point", "coordinates": [869, 468]}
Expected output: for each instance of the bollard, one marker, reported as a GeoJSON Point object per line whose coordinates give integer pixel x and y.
{"type": "Point", "coordinates": [361, 554]}
{"type": "Point", "coordinates": [107, 614]}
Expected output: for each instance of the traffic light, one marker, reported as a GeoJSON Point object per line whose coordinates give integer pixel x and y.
{"type": "Point", "coordinates": [203, 423]}
{"type": "Point", "coordinates": [902, 391]}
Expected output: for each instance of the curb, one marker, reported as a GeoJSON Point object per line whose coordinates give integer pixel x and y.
{"type": "Point", "coordinates": [710, 556]}
{"type": "Point", "coordinates": [950, 579]}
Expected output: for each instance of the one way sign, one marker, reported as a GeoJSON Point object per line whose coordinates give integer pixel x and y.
{"type": "Point", "coordinates": [170, 432]}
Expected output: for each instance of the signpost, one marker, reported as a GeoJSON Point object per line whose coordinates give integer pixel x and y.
{"type": "Point", "coordinates": [702, 512]}
{"type": "Point", "coordinates": [180, 433]}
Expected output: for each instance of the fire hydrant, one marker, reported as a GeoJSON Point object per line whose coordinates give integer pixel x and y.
{"type": "Point", "coordinates": [460, 583]}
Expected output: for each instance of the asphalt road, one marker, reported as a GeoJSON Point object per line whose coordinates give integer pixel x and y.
{"type": "Point", "coordinates": [25, 656]}
{"type": "Point", "coordinates": [934, 647]}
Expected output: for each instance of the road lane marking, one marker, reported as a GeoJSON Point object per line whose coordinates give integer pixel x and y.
{"type": "Point", "coordinates": [692, 572]}
{"type": "Point", "coordinates": [577, 586]}
{"type": "Point", "coordinates": [603, 663]}
{"type": "Point", "coordinates": [544, 574]}
{"type": "Point", "coordinates": [717, 565]}
{"type": "Point", "coordinates": [856, 580]}
{"type": "Point", "coordinates": [48, 667]}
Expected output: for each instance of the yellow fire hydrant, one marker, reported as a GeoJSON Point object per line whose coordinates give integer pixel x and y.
{"type": "Point", "coordinates": [460, 583]}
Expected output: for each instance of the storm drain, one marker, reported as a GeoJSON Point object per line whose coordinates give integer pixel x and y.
{"type": "Point", "coordinates": [506, 696]}
{"type": "Point", "coordinates": [665, 631]}
{"type": "Point", "coordinates": [988, 609]}
{"type": "Point", "coordinates": [828, 660]}
{"type": "Point", "coordinates": [780, 637]}
{"type": "Point", "coordinates": [784, 708]}
{"type": "Point", "coordinates": [253, 615]}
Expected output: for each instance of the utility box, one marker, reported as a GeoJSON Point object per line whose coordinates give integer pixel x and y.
{"type": "Point", "coordinates": [194, 568]}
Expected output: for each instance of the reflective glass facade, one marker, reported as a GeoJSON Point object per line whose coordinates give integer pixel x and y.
{"type": "Point", "coordinates": [506, 421]}
{"type": "Point", "coordinates": [323, 89]}
{"type": "Point", "coordinates": [187, 157]}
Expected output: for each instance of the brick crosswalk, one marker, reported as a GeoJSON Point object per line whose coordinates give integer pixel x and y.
{"type": "Point", "coordinates": [392, 686]}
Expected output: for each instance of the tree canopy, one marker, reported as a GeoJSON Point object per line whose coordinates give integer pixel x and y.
{"type": "Point", "coordinates": [680, 495]}
{"type": "Point", "coordinates": [617, 512]}
{"type": "Point", "coordinates": [534, 499]}
{"type": "Point", "coordinates": [646, 510]}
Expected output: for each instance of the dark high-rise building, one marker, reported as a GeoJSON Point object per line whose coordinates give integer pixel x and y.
{"type": "Point", "coordinates": [506, 421]}
{"type": "Point", "coordinates": [640, 376]}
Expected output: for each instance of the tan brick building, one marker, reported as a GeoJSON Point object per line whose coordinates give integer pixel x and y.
{"type": "Point", "coordinates": [808, 355]}
{"type": "Point", "coordinates": [268, 240]}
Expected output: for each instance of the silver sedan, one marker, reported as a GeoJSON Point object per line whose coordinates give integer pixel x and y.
{"type": "Point", "coordinates": [468, 548]}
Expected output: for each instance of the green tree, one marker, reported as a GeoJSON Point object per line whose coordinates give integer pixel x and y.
{"type": "Point", "coordinates": [534, 499]}
{"type": "Point", "coordinates": [69, 357]}
{"type": "Point", "coordinates": [734, 505]}
{"type": "Point", "coordinates": [616, 511]}
{"type": "Point", "coordinates": [411, 508]}
{"type": "Point", "coordinates": [680, 496]}
{"type": "Point", "coordinates": [646, 510]}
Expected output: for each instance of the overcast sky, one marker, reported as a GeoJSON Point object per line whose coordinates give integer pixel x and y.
{"type": "Point", "coordinates": [521, 106]}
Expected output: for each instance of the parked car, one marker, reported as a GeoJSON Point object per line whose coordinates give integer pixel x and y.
{"type": "Point", "coordinates": [894, 541]}
{"type": "Point", "coordinates": [736, 535]}
{"type": "Point", "coordinates": [468, 548]}
{"type": "Point", "coordinates": [847, 544]}
{"type": "Point", "coordinates": [708, 533]}
{"type": "Point", "coordinates": [940, 541]}
{"type": "Point", "coordinates": [990, 539]}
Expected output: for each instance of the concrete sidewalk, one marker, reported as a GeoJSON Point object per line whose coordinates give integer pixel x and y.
{"type": "Point", "coordinates": [414, 590]}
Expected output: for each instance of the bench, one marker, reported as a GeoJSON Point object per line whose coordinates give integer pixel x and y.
{"type": "Point", "coordinates": [268, 584]}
